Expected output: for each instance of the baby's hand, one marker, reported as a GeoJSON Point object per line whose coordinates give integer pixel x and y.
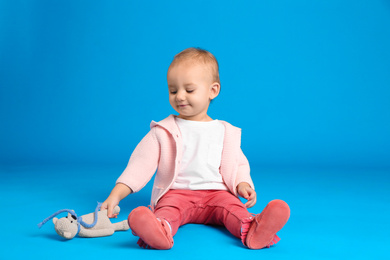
{"type": "Point", "coordinates": [245, 191]}
{"type": "Point", "coordinates": [119, 192]}
{"type": "Point", "coordinates": [109, 206]}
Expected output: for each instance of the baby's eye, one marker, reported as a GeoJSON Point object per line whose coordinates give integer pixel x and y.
{"type": "Point", "coordinates": [173, 92]}
{"type": "Point", "coordinates": [190, 91]}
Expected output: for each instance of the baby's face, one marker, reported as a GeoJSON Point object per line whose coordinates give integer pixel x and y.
{"type": "Point", "coordinates": [191, 88]}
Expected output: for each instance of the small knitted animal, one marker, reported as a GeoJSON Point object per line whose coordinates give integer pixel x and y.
{"type": "Point", "coordinates": [71, 225]}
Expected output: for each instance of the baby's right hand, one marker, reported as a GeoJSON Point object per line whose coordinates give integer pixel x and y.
{"type": "Point", "coordinates": [109, 205]}
{"type": "Point", "coordinates": [119, 192]}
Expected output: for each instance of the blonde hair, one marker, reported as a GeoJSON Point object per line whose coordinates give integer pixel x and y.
{"type": "Point", "coordinates": [201, 56]}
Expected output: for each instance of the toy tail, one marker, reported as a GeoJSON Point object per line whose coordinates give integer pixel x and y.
{"type": "Point", "coordinates": [41, 224]}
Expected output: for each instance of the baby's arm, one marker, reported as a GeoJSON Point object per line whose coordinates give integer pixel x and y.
{"type": "Point", "coordinates": [246, 191]}
{"type": "Point", "coordinates": [140, 169]}
{"type": "Point", "coordinates": [119, 192]}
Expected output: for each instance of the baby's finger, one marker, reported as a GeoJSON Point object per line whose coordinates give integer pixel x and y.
{"type": "Point", "coordinates": [245, 194]}
{"type": "Point", "coordinates": [109, 212]}
{"type": "Point", "coordinates": [103, 207]}
{"type": "Point", "coordinates": [252, 196]}
{"type": "Point", "coordinates": [251, 202]}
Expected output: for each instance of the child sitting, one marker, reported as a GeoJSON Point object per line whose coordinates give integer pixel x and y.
{"type": "Point", "coordinates": [201, 169]}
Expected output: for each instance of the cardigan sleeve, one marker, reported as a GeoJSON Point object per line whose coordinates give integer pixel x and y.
{"type": "Point", "coordinates": [243, 172]}
{"type": "Point", "coordinates": [143, 163]}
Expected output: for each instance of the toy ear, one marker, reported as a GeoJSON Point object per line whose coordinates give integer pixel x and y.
{"type": "Point", "coordinates": [55, 220]}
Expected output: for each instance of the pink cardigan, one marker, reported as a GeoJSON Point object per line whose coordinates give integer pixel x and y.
{"type": "Point", "coordinates": [161, 149]}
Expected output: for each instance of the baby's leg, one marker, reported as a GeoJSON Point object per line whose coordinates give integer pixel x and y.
{"type": "Point", "coordinates": [223, 208]}
{"type": "Point", "coordinates": [152, 232]}
{"type": "Point", "coordinates": [174, 207]}
{"type": "Point", "coordinates": [262, 231]}
{"type": "Point", "coordinates": [156, 229]}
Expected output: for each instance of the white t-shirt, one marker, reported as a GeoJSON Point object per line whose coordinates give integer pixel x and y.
{"type": "Point", "coordinates": [201, 158]}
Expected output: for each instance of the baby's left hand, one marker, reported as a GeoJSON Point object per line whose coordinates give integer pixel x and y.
{"type": "Point", "coordinates": [245, 191]}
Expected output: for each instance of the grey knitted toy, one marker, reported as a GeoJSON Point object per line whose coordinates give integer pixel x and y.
{"type": "Point", "coordinates": [71, 225]}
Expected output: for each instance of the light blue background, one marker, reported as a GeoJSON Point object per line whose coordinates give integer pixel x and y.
{"type": "Point", "coordinates": [307, 81]}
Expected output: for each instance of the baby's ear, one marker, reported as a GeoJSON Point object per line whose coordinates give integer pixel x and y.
{"type": "Point", "coordinates": [215, 88]}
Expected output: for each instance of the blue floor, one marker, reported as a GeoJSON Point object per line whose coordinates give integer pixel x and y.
{"type": "Point", "coordinates": [335, 214]}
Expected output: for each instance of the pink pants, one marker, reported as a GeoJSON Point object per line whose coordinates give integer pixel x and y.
{"type": "Point", "coordinates": [213, 207]}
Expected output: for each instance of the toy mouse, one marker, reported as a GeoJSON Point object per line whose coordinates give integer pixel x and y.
{"type": "Point", "coordinates": [71, 225]}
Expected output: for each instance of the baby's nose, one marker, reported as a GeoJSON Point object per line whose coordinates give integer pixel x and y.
{"type": "Point", "coordinates": [180, 96]}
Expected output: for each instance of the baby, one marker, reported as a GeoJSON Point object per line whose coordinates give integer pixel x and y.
{"type": "Point", "coordinates": [201, 169]}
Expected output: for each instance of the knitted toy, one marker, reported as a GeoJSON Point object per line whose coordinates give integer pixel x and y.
{"type": "Point", "coordinates": [71, 225]}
